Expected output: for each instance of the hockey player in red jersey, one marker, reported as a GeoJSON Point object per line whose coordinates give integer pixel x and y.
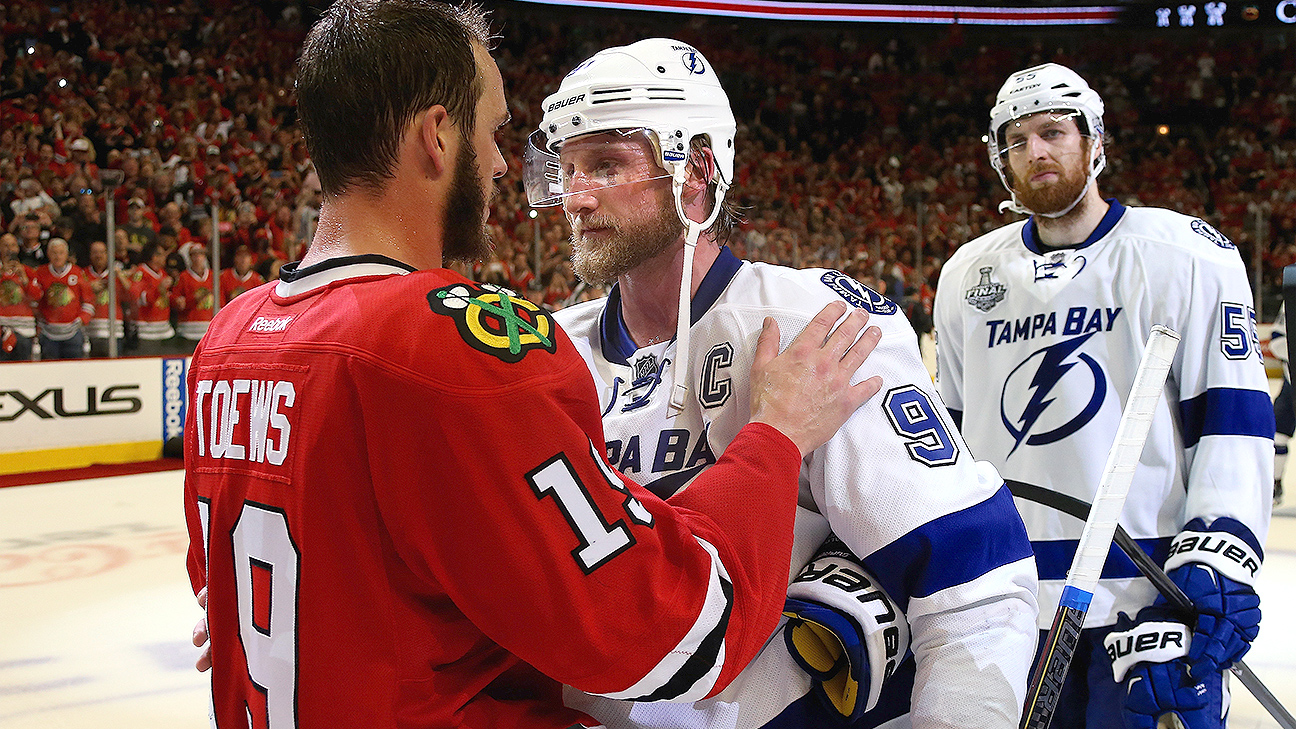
{"type": "Point", "coordinates": [395, 492]}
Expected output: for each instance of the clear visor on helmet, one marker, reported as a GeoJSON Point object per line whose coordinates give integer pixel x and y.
{"type": "Point", "coordinates": [597, 161]}
{"type": "Point", "coordinates": [1052, 126]}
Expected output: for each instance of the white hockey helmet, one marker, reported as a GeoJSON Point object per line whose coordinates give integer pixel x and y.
{"type": "Point", "coordinates": [662, 86]}
{"type": "Point", "coordinates": [1046, 87]}
{"type": "Point", "coordinates": [665, 89]}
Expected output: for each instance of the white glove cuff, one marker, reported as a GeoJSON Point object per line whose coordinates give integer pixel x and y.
{"type": "Point", "coordinates": [1226, 553]}
{"type": "Point", "coordinates": [1150, 642]}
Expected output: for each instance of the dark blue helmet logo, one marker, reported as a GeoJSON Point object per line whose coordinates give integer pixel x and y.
{"type": "Point", "coordinates": [693, 62]}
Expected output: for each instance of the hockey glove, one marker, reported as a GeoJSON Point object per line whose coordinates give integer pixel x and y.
{"type": "Point", "coordinates": [1149, 658]}
{"type": "Point", "coordinates": [1216, 569]}
{"type": "Point", "coordinates": [844, 630]}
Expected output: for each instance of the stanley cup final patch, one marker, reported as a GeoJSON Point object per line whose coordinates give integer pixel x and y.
{"type": "Point", "coordinates": [493, 320]}
{"type": "Point", "coordinates": [987, 294]}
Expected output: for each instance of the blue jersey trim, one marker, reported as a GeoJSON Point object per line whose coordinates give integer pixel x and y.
{"type": "Point", "coordinates": [1030, 233]}
{"type": "Point", "coordinates": [1053, 558]}
{"type": "Point", "coordinates": [954, 549]}
{"type": "Point", "coordinates": [1074, 597]}
{"type": "Point", "coordinates": [1226, 411]}
{"type": "Point", "coordinates": [617, 344]}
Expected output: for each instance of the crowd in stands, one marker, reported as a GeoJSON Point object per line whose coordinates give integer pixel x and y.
{"type": "Point", "coordinates": [859, 148]}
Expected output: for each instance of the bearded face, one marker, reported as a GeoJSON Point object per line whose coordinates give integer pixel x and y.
{"type": "Point", "coordinates": [1053, 194]}
{"type": "Point", "coordinates": [606, 245]}
{"type": "Point", "coordinates": [465, 236]}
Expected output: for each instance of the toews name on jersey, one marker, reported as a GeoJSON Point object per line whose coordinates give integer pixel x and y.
{"type": "Point", "coordinates": [244, 419]}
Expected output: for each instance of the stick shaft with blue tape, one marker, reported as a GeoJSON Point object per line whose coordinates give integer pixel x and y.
{"type": "Point", "coordinates": [1095, 541]}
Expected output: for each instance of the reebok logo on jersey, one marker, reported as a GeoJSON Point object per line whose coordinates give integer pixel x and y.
{"type": "Point", "coordinates": [272, 325]}
{"type": "Point", "coordinates": [492, 320]}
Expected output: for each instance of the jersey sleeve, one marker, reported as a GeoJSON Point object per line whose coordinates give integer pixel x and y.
{"type": "Point", "coordinates": [87, 297]}
{"type": "Point", "coordinates": [951, 548]}
{"type": "Point", "coordinates": [948, 326]}
{"type": "Point", "coordinates": [505, 501]}
{"type": "Point", "coordinates": [1225, 411]}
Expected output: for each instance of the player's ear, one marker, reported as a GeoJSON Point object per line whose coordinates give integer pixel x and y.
{"type": "Point", "coordinates": [701, 170]}
{"type": "Point", "coordinates": [435, 130]}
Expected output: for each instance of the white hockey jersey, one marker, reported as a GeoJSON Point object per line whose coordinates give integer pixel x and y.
{"type": "Point", "coordinates": [897, 484]}
{"type": "Point", "coordinates": [1036, 354]}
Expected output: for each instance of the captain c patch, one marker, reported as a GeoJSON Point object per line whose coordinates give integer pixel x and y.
{"type": "Point", "coordinates": [492, 320]}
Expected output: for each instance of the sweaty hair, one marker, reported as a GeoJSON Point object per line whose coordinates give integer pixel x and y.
{"type": "Point", "coordinates": [731, 215]}
{"type": "Point", "coordinates": [368, 67]}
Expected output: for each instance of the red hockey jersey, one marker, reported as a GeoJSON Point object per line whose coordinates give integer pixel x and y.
{"type": "Point", "coordinates": [64, 300]}
{"type": "Point", "coordinates": [232, 284]}
{"type": "Point", "coordinates": [99, 320]}
{"type": "Point", "coordinates": [18, 292]}
{"type": "Point", "coordinates": [153, 301]}
{"type": "Point", "coordinates": [192, 297]}
{"type": "Point", "coordinates": [397, 498]}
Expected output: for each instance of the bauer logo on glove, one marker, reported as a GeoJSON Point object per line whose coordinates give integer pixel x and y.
{"type": "Point", "coordinates": [844, 630]}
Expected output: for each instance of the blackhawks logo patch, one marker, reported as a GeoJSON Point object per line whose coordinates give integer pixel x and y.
{"type": "Point", "coordinates": [492, 320]}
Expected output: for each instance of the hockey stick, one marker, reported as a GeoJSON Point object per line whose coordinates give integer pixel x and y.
{"type": "Point", "coordinates": [1095, 541]}
{"type": "Point", "coordinates": [1151, 570]}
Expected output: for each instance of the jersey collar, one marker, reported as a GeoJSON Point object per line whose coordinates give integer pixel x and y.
{"type": "Point", "coordinates": [617, 345]}
{"type": "Point", "coordinates": [295, 280]}
{"type": "Point", "coordinates": [1030, 233]}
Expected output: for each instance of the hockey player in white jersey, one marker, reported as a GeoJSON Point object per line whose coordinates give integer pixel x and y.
{"type": "Point", "coordinates": [1040, 326]}
{"type": "Point", "coordinates": [936, 615]}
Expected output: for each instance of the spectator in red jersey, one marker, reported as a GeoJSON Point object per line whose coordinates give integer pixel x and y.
{"type": "Point", "coordinates": [193, 300]}
{"type": "Point", "coordinates": [17, 301]}
{"type": "Point", "coordinates": [97, 271]}
{"type": "Point", "coordinates": [240, 278]}
{"type": "Point", "coordinates": [64, 303]}
{"type": "Point", "coordinates": [151, 292]}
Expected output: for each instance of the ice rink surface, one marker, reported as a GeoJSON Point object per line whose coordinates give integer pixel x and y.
{"type": "Point", "coordinates": [96, 611]}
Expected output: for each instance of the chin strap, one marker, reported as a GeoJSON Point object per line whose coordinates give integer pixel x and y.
{"type": "Point", "coordinates": [683, 321]}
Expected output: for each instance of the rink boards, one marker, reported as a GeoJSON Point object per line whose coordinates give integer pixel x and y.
{"type": "Point", "coordinates": [78, 413]}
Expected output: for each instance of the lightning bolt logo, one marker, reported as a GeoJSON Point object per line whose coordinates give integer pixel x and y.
{"type": "Point", "coordinates": [1053, 365]}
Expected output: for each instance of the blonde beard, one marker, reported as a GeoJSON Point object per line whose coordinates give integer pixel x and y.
{"type": "Point", "coordinates": [624, 249]}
